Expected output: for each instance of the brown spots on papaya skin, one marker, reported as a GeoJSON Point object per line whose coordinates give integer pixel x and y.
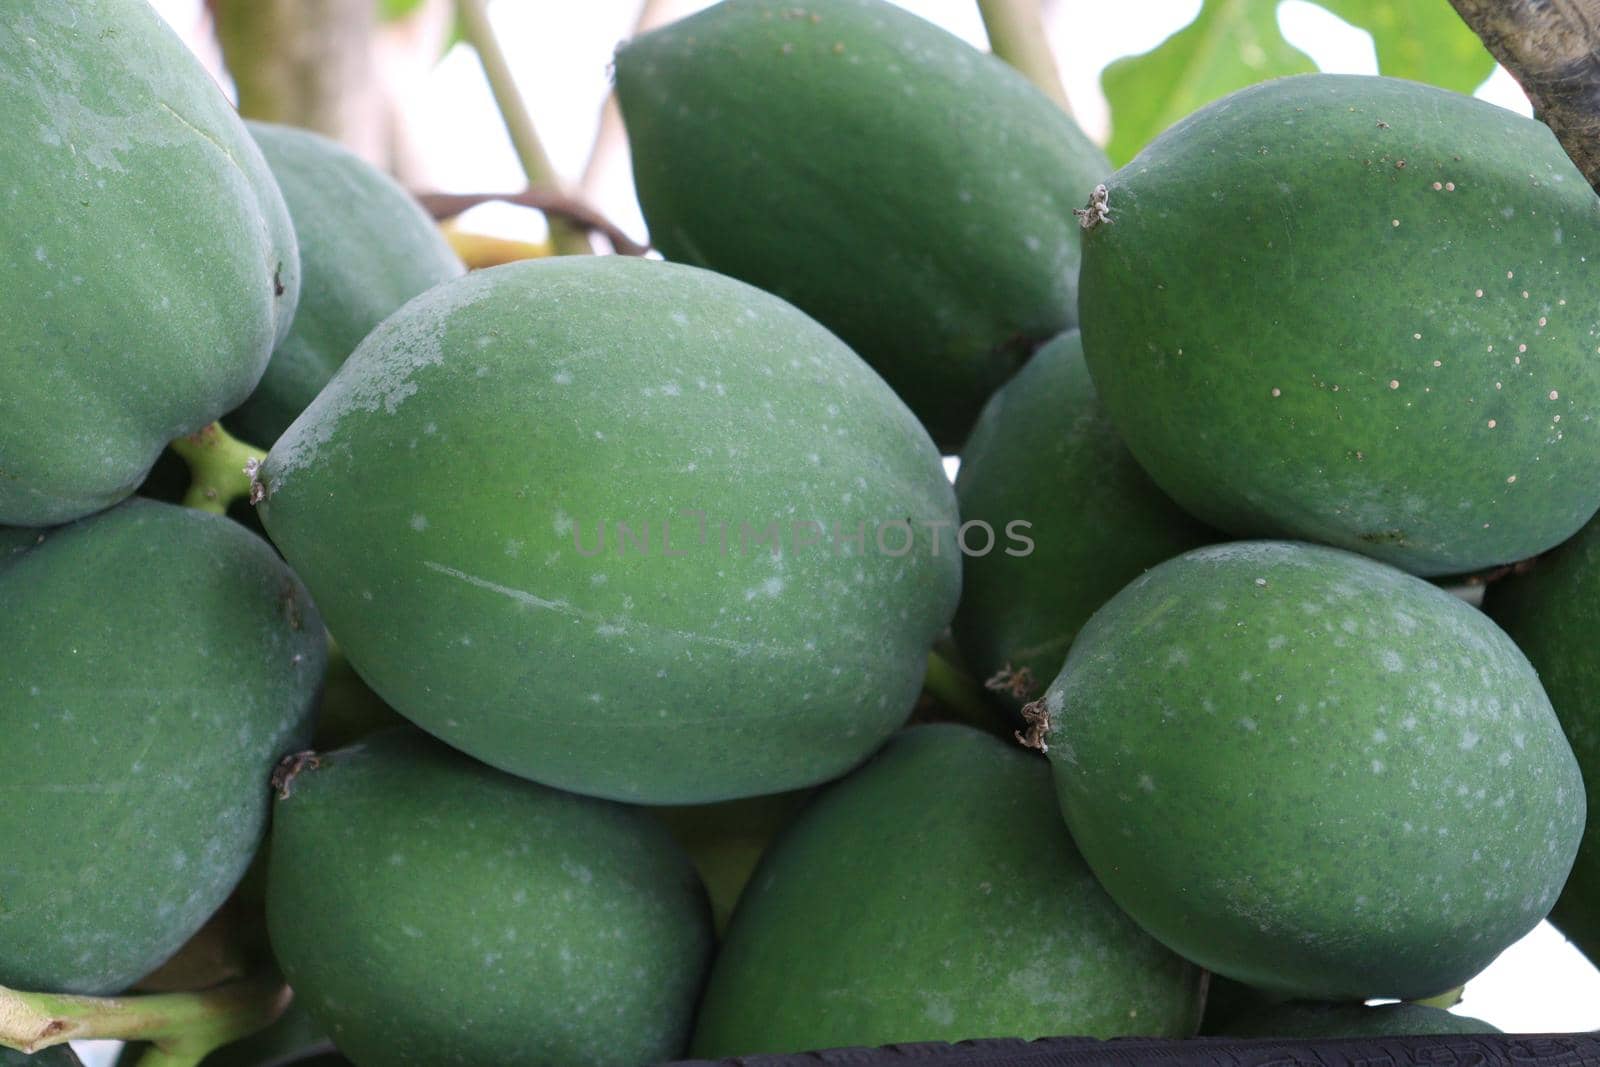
{"type": "Point", "coordinates": [277, 280]}
{"type": "Point", "coordinates": [1384, 537]}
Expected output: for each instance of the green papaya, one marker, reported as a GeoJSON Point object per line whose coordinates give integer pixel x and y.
{"type": "Point", "coordinates": [1552, 612]}
{"type": "Point", "coordinates": [150, 262]}
{"type": "Point", "coordinates": [1313, 773]}
{"type": "Point", "coordinates": [1071, 516]}
{"type": "Point", "coordinates": [54, 1056]}
{"type": "Point", "coordinates": [689, 553]}
{"type": "Point", "coordinates": [430, 910]}
{"type": "Point", "coordinates": [1311, 1020]}
{"type": "Point", "coordinates": [911, 193]}
{"type": "Point", "coordinates": [366, 247]}
{"type": "Point", "coordinates": [933, 895]}
{"type": "Point", "coordinates": [155, 663]}
{"type": "Point", "coordinates": [1355, 310]}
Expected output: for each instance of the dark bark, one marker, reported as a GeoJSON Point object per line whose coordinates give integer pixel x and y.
{"type": "Point", "coordinates": [1552, 48]}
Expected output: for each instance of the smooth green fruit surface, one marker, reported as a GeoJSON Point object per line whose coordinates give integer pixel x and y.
{"type": "Point", "coordinates": [934, 895]}
{"type": "Point", "coordinates": [1044, 453]}
{"type": "Point", "coordinates": [456, 499]}
{"type": "Point", "coordinates": [150, 264]}
{"type": "Point", "coordinates": [366, 247]}
{"type": "Point", "coordinates": [1313, 773]}
{"type": "Point", "coordinates": [430, 910]}
{"type": "Point", "coordinates": [913, 194]}
{"type": "Point", "coordinates": [155, 663]}
{"type": "Point", "coordinates": [1553, 613]}
{"type": "Point", "coordinates": [1353, 1020]}
{"type": "Point", "coordinates": [54, 1056]}
{"type": "Point", "coordinates": [1356, 311]}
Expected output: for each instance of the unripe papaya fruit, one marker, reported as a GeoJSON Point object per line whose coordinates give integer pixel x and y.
{"type": "Point", "coordinates": [1355, 310]}
{"type": "Point", "coordinates": [54, 1056]}
{"type": "Point", "coordinates": [366, 247]}
{"type": "Point", "coordinates": [911, 193]}
{"type": "Point", "coordinates": [934, 895]}
{"type": "Point", "coordinates": [1044, 453]}
{"type": "Point", "coordinates": [1312, 1020]}
{"type": "Point", "coordinates": [430, 910]}
{"type": "Point", "coordinates": [1552, 612]}
{"type": "Point", "coordinates": [156, 662]}
{"type": "Point", "coordinates": [1313, 773]}
{"type": "Point", "coordinates": [555, 513]}
{"type": "Point", "coordinates": [150, 264]}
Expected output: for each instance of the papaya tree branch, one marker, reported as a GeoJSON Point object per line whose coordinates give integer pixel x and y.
{"type": "Point", "coordinates": [185, 1026]}
{"type": "Point", "coordinates": [1017, 35]}
{"type": "Point", "coordinates": [565, 238]}
{"type": "Point", "coordinates": [550, 202]}
{"type": "Point", "coordinates": [1552, 48]}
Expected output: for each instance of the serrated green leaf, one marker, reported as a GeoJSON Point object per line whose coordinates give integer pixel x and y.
{"type": "Point", "coordinates": [1229, 45]}
{"type": "Point", "coordinates": [1424, 40]}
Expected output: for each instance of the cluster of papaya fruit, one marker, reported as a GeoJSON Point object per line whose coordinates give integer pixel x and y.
{"type": "Point", "coordinates": [647, 558]}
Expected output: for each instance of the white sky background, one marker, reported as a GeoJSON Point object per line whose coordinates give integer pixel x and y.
{"type": "Point", "coordinates": [560, 51]}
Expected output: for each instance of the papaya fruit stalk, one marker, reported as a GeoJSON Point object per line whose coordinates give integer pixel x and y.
{"type": "Point", "coordinates": [183, 1027]}
{"type": "Point", "coordinates": [1016, 34]}
{"type": "Point", "coordinates": [220, 468]}
{"type": "Point", "coordinates": [476, 28]}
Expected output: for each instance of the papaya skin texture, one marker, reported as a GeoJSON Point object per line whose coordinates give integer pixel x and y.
{"type": "Point", "coordinates": [1355, 311]}
{"type": "Point", "coordinates": [443, 498]}
{"type": "Point", "coordinates": [366, 247]}
{"type": "Point", "coordinates": [912, 194]}
{"type": "Point", "coordinates": [430, 910]}
{"type": "Point", "coordinates": [151, 265]}
{"type": "Point", "coordinates": [1044, 451]}
{"type": "Point", "coordinates": [1552, 611]}
{"type": "Point", "coordinates": [1312, 773]}
{"type": "Point", "coordinates": [933, 895]}
{"type": "Point", "coordinates": [157, 663]}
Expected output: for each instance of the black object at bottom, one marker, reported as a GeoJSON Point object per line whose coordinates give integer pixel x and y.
{"type": "Point", "coordinates": [1454, 1050]}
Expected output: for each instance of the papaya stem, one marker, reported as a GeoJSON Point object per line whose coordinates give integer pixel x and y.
{"type": "Point", "coordinates": [1017, 35]}
{"type": "Point", "coordinates": [180, 1024]}
{"type": "Point", "coordinates": [1448, 999]}
{"type": "Point", "coordinates": [156, 1056]}
{"type": "Point", "coordinates": [566, 239]}
{"type": "Point", "coordinates": [956, 691]}
{"type": "Point", "coordinates": [220, 468]}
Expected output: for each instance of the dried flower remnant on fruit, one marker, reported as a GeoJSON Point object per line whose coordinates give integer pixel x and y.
{"type": "Point", "coordinates": [1098, 209]}
{"type": "Point", "coordinates": [289, 768]}
{"type": "Point", "coordinates": [252, 470]}
{"type": "Point", "coordinates": [1017, 682]}
{"type": "Point", "coordinates": [1037, 715]}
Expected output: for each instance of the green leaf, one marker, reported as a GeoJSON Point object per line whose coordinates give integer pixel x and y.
{"type": "Point", "coordinates": [1424, 40]}
{"type": "Point", "coordinates": [394, 10]}
{"type": "Point", "coordinates": [1229, 45]}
